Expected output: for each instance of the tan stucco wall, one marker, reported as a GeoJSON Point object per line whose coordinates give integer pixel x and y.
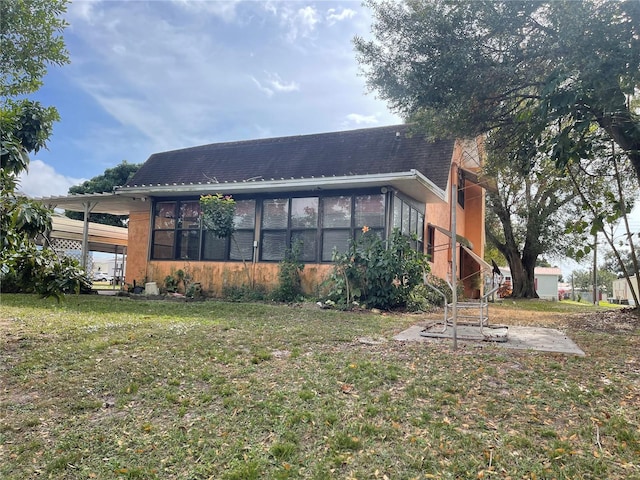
{"type": "Point", "coordinates": [215, 276]}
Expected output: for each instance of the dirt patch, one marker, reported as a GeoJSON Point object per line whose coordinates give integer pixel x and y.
{"type": "Point", "coordinates": [616, 321]}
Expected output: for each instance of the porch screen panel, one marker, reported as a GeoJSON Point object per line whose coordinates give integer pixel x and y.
{"type": "Point", "coordinates": [164, 224]}
{"type": "Point", "coordinates": [420, 232]}
{"type": "Point", "coordinates": [163, 243]}
{"type": "Point", "coordinates": [274, 245]}
{"type": "Point", "coordinates": [275, 223]}
{"type": "Point", "coordinates": [244, 223]}
{"type": "Point", "coordinates": [304, 227]}
{"type": "Point", "coordinates": [337, 230]}
{"type": "Point", "coordinates": [213, 248]}
{"type": "Point", "coordinates": [165, 216]}
{"type": "Point", "coordinates": [406, 218]}
{"type": "Point", "coordinates": [369, 212]}
{"type": "Point", "coordinates": [307, 240]}
{"type": "Point", "coordinates": [336, 212]}
{"type": "Point", "coordinates": [188, 234]}
{"type": "Point", "coordinates": [397, 213]}
{"type": "Point", "coordinates": [241, 247]}
{"type": "Point", "coordinates": [189, 244]}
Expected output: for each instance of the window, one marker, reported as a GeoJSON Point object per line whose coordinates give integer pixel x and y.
{"type": "Point", "coordinates": [188, 231]}
{"type": "Point", "coordinates": [461, 187]}
{"type": "Point", "coordinates": [178, 233]}
{"type": "Point", "coordinates": [336, 225]}
{"type": "Point", "coordinates": [275, 221]}
{"type": "Point", "coordinates": [410, 220]}
{"type": "Point", "coordinates": [343, 218]}
{"type": "Point", "coordinates": [240, 245]}
{"type": "Point", "coordinates": [286, 222]}
{"type": "Point", "coordinates": [164, 224]}
{"type": "Point", "coordinates": [304, 227]}
{"type": "Point", "coordinates": [431, 235]}
{"type": "Point", "coordinates": [318, 225]}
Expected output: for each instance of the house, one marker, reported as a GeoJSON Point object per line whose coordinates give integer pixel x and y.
{"type": "Point", "coordinates": [546, 281]}
{"type": "Point", "coordinates": [320, 189]}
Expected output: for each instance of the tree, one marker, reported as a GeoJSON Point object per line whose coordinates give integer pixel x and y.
{"type": "Point", "coordinates": [30, 40]}
{"type": "Point", "coordinates": [525, 216]}
{"type": "Point", "coordinates": [611, 263]}
{"type": "Point", "coordinates": [112, 177]}
{"type": "Point", "coordinates": [604, 184]}
{"type": "Point", "coordinates": [464, 68]}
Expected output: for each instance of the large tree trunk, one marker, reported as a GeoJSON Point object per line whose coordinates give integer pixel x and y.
{"type": "Point", "coordinates": [522, 265]}
{"type": "Point", "coordinates": [522, 278]}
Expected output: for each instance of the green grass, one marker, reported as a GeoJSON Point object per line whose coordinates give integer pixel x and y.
{"type": "Point", "coordinates": [113, 388]}
{"type": "Point", "coordinates": [569, 306]}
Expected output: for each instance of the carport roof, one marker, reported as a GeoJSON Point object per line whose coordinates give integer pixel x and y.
{"type": "Point", "coordinates": [97, 203]}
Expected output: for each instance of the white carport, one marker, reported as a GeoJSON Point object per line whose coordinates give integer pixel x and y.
{"type": "Point", "coordinates": [94, 237]}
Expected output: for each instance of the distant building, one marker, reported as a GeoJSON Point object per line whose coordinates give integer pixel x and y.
{"type": "Point", "coordinates": [622, 291]}
{"type": "Point", "coordinates": [546, 281]}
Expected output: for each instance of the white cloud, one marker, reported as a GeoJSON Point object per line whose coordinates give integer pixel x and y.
{"type": "Point", "coordinates": [43, 181]}
{"type": "Point", "coordinates": [267, 91]}
{"type": "Point", "coordinates": [281, 86]}
{"type": "Point", "coordinates": [334, 16]}
{"type": "Point", "coordinates": [358, 119]}
{"type": "Point", "coordinates": [300, 23]}
{"type": "Point", "coordinates": [226, 10]}
{"type": "Point", "coordinates": [84, 10]}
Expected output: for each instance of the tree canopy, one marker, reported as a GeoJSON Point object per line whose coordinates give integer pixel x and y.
{"type": "Point", "coordinates": [112, 177]}
{"type": "Point", "coordinates": [30, 34]}
{"type": "Point", "coordinates": [463, 68]}
{"type": "Point", "coordinates": [31, 39]}
{"type": "Point", "coordinates": [526, 216]}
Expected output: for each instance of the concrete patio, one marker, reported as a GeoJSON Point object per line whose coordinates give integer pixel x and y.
{"type": "Point", "coordinates": [522, 338]}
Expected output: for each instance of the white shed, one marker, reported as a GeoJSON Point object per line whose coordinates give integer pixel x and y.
{"type": "Point", "coordinates": [546, 281]}
{"type": "Point", "coordinates": [622, 292]}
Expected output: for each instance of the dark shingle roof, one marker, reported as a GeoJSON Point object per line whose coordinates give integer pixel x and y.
{"type": "Point", "coordinates": [354, 152]}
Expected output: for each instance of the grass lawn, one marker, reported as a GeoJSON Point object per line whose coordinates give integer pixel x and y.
{"type": "Point", "coordinates": [109, 388]}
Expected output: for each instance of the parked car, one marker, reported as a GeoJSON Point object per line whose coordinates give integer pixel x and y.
{"type": "Point", "coordinates": [102, 277]}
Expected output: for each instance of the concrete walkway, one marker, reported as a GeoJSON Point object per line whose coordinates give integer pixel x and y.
{"type": "Point", "coordinates": [523, 338]}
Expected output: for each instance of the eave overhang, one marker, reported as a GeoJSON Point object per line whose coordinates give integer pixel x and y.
{"type": "Point", "coordinates": [411, 183]}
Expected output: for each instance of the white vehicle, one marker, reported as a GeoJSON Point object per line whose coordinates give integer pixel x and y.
{"type": "Point", "coordinates": [102, 277]}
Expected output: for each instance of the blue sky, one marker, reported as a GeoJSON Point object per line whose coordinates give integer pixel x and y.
{"type": "Point", "coordinates": [150, 76]}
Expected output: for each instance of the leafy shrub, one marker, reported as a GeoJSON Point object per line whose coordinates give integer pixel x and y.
{"type": "Point", "coordinates": [424, 298]}
{"type": "Point", "coordinates": [30, 269]}
{"type": "Point", "coordinates": [290, 285]}
{"type": "Point", "coordinates": [170, 284]}
{"type": "Point", "coordinates": [376, 273]}
{"type": "Point", "coordinates": [217, 214]}
{"type": "Point", "coordinates": [244, 293]}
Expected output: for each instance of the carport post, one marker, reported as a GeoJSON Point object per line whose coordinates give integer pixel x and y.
{"type": "Point", "coordinates": [88, 206]}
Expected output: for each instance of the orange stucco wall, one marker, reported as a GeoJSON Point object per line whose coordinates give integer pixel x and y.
{"type": "Point", "coordinates": [469, 224]}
